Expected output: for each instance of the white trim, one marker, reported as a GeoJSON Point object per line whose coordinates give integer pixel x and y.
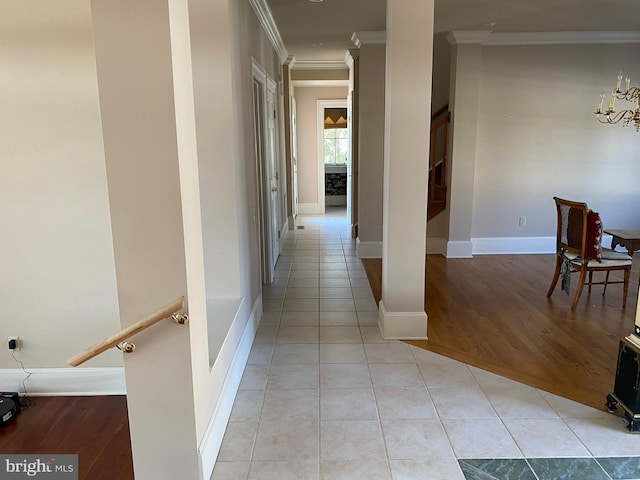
{"type": "Point", "coordinates": [369, 38]}
{"type": "Point", "coordinates": [350, 55]}
{"type": "Point", "coordinates": [319, 65]}
{"type": "Point", "coordinates": [437, 245]}
{"type": "Point", "coordinates": [459, 250]}
{"type": "Point", "coordinates": [284, 231]}
{"type": "Point", "coordinates": [488, 38]}
{"type": "Point", "coordinates": [320, 83]}
{"type": "Point", "coordinates": [513, 245]}
{"type": "Point", "coordinates": [562, 38]}
{"type": "Point", "coordinates": [467, 36]}
{"type": "Point", "coordinates": [402, 325]}
{"type": "Point", "coordinates": [52, 382]}
{"type": "Point", "coordinates": [265, 17]}
{"type": "Point", "coordinates": [310, 209]}
{"type": "Point", "coordinates": [320, 106]}
{"type": "Point", "coordinates": [211, 441]}
{"type": "Point", "coordinates": [221, 313]}
{"type": "Point", "coordinates": [368, 249]}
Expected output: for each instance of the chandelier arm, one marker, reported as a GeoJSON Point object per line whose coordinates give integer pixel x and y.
{"type": "Point", "coordinates": [616, 117]}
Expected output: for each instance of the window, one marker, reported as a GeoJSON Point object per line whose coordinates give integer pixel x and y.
{"type": "Point", "coordinates": [336, 145]}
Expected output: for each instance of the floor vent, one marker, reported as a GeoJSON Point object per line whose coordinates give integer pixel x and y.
{"type": "Point", "coordinates": [300, 227]}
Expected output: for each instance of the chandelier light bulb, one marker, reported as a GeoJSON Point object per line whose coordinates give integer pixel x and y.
{"type": "Point", "coordinates": [627, 115]}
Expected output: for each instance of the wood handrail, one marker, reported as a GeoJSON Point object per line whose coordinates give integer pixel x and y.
{"type": "Point", "coordinates": [127, 332]}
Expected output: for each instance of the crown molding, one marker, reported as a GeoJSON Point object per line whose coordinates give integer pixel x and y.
{"type": "Point", "coordinates": [369, 38]}
{"type": "Point", "coordinates": [319, 83]}
{"type": "Point", "coordinates": [457, 37]}
{"type": "Point", "coordinates": [350, 56]}
{"type": "Point", "coordinates": [319, 65]}
{"type": "Point", "coordinates": [488, 38]}
{"type": "Point", "coordinates": [265, 17]}
{"type": "Point", "coordinates": [562, 38]}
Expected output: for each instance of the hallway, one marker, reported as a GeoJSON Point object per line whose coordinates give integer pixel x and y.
{"type": "Point", "coordinates": [324, 396]}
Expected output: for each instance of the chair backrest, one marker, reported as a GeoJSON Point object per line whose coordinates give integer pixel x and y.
{"type": "Point", "coordinates": [571, 235]}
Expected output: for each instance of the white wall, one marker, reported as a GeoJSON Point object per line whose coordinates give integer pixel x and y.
{"type": "Point", "coordinates": [58, 281]}
{"type": "Point", "coordinates": [538, 137]}
{"type": "Point", "coordinates": [307, 115]}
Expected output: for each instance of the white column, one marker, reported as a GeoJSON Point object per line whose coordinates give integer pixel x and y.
{"type": "Point", "coordinates": [146, 102]}
{"type": "Point", "coordinates": [466, 62]}
{"type": "Point", "coordinates": [407, 121]}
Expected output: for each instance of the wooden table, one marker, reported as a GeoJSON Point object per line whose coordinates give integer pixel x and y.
{"type": "Point", "coordinates": [630, 239]}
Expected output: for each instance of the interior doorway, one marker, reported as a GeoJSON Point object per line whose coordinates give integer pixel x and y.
{"type": "Point", "coordinates": [267, 171]}
{"type": "Point", "coordinates": [334, 156]}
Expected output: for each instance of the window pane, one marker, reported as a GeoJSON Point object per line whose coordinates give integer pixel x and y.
{"type": "Point", "coordinates": [342, 147]}
{"type": "Point", "coordinates": [329, 150]}
{"type": "Point", "coordinates": [330, 132]}
{"type": "Point", "coordinates": [336, 144]}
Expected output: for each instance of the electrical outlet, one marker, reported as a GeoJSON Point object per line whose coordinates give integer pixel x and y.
{"type": "Point", "coordinates": [16, 345]}
{"type": "Point", "coordinates": [522, 221]}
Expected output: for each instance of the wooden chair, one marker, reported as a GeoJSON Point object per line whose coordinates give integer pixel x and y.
{"type": "Point", "coordinates": [572, 241]}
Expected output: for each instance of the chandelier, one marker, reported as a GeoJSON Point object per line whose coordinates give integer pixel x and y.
{"type": "Point", "coordinates": [629, 94]}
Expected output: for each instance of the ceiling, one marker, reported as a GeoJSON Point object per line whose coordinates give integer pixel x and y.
{"type": "Point", "coordinates": [321, 31]}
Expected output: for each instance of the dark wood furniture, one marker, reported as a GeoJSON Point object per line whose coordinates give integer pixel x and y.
{"type": "Point", "coordinates": [571, 252]}
{"type": "Point", "coordinates": [629, 239]}
{"type": "Point", "coordinates": [626, 390]}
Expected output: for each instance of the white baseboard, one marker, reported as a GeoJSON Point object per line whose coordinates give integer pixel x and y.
{"type": "Point", "coordinates": [459, 250]}
{"type": "Point", "coordinates": [284, 231]}
{"type": "Point", "coordinates": [51, 382]}
{"type": "Point", "coordinates": [368, 249]}
{"type": "Point", "coordinates": [209, 446]}
{"type": "Point", "coordinates": [310, 209]}
{"type": "Point", "coordinates": [437, 245]}
{"type": "Point", "coordinates": [402, 325]}
{"type": "Point", "coordinates": [513, 245]}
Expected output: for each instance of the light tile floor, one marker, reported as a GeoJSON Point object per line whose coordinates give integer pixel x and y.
{"type": "Point", "coordinates": [324, 396]}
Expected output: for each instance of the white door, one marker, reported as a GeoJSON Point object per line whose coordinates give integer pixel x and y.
{"type": "Point", "coordinates": [349, 177]}
{"type": "Point", "coordinates": [274, 175]}
{"type": "Point", "coordinates": [261, 175]}
{"type": "Point", "coordinates": [294, 158]}
{"type": "Point", "coordinates": [265, 133]}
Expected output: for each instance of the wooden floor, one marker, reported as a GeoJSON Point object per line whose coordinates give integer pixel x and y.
{"type": "Point", "coordinates": [492, 312]}
{"type": "Point", "coordinates": [95, 428]}
{"type": "Point", "coordinates": [489, 311]}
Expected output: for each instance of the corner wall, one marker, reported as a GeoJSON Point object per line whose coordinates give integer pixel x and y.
{"type": "Point", "coordinates": [58, 285]}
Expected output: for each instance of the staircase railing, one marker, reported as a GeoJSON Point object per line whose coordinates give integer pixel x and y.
{"type": "Point", "coordinates": [118, 339]}
{"type": "Point", "coordinates": [438, 156]}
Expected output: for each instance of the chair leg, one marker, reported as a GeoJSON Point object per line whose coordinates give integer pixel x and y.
{"type": "Point", "coordinates": [625, 291]}
{"type": "Point", "coordinates": [556, 276]}
{"type": "Point", "coordinates": [590, 280]}
{"type": "Point", "coordinates": [606, 282]}
{"type": "Point", "coordinates": [583, 275]}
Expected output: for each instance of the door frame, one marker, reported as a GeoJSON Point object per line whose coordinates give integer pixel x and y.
{"type": "Point", "coordinates": [320, 106]}
{"type": "Point", "coordinates": [266, 215]}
